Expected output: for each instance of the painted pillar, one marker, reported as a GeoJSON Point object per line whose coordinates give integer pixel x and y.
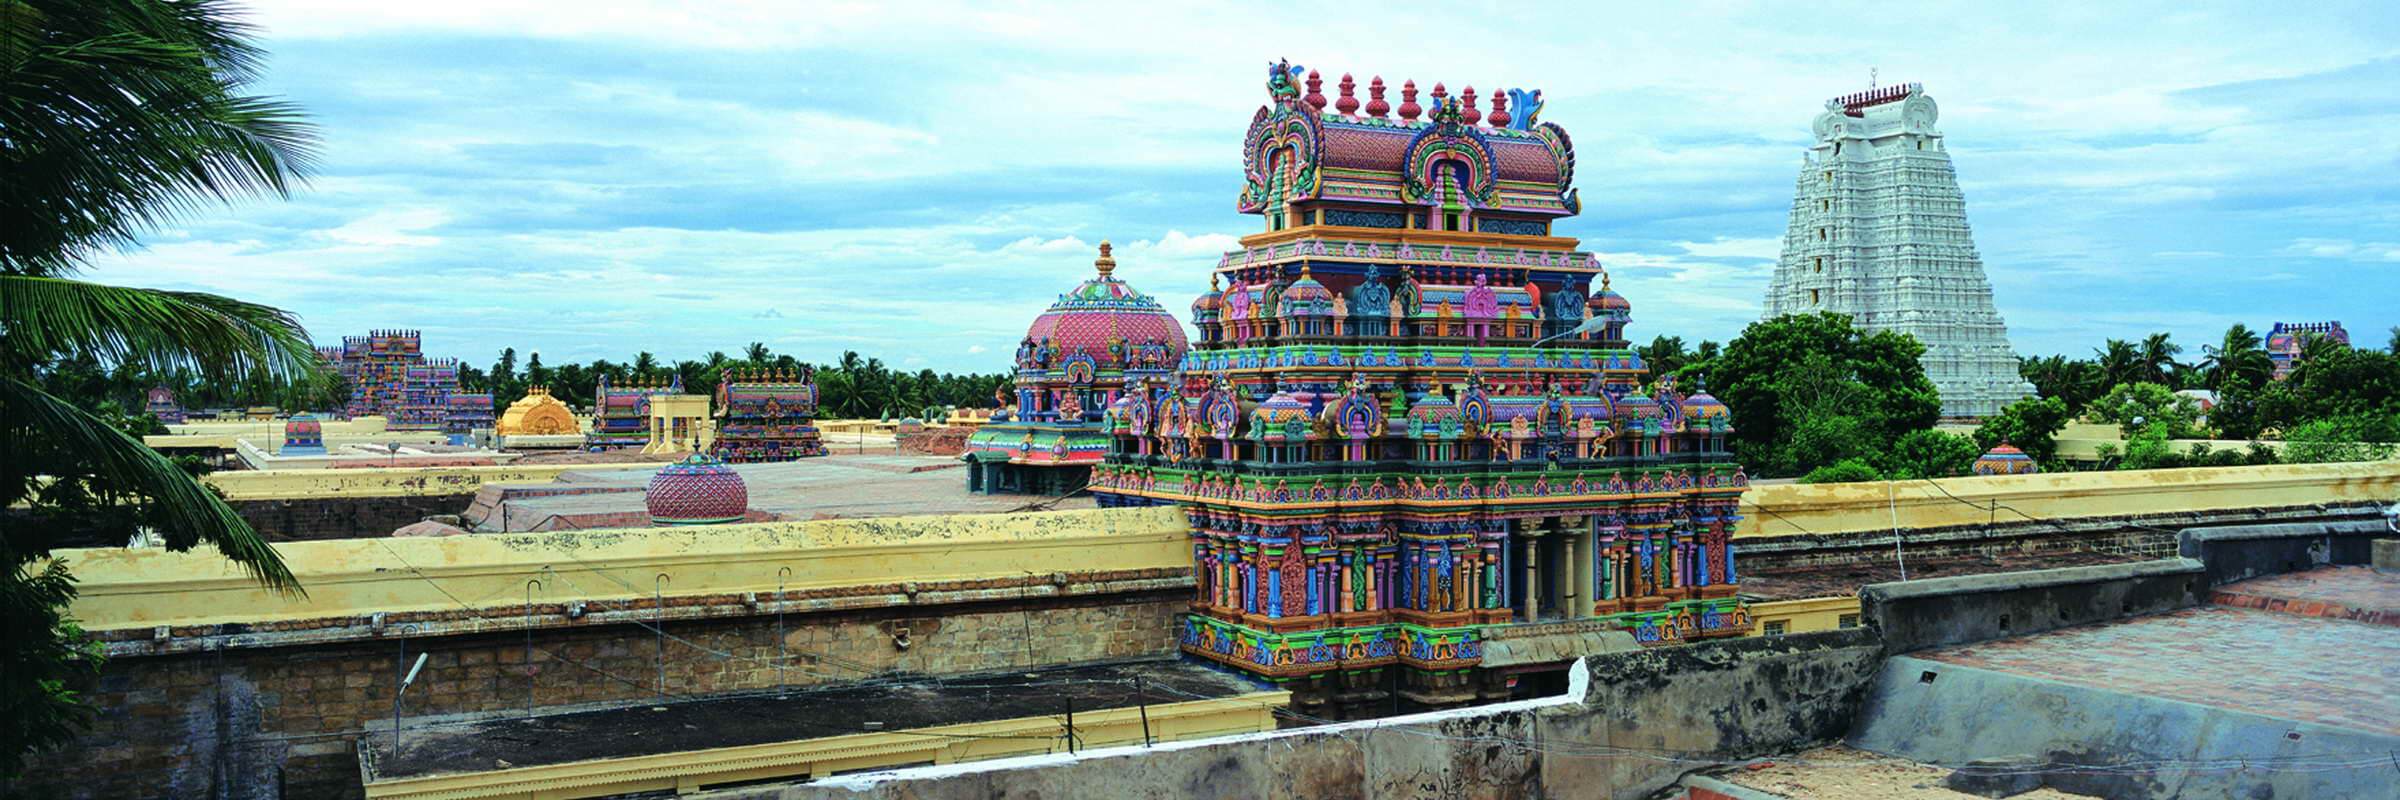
{"type": "Point", "coordinates": [1533, 578]}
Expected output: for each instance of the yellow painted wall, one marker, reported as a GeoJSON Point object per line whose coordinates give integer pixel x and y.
{"type": "Point", "coordinates": [298, 484]}
{"type": "Point", "coordinates": [1801, 509]}
{"type": "Point", "coordinates": [138, 589]}
{"type": "Point", "coordinates": [1802, 616]}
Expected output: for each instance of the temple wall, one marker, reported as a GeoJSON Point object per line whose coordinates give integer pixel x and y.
{"type": "Point", "coordinates": [1621, 731]}
{"type": "Point", "coordinates": [217, 688]}
{"type": "Point", "coordinates": [1796, 510]}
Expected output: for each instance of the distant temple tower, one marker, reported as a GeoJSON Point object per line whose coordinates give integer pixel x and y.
{"type": "Point", "coordinates": [1879, 232]}
{"type": "Point", "coordinates": [767, 415]}
{"type": "Point", "coordinates": [160, 402]}
{"type": "Point", "coordinates": [2288, 341]}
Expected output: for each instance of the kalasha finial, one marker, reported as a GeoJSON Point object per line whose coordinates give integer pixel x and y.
{"type": "Point", "coordinates": [1376, 107]}
{"type": "Point", "coordinates": [1348, 105]}
{"type": "Point", "coordinates": [1106, 263]}
{"type": "Point", "coordinates": [1316, 97]}
{"type": "Point", "coordinates": [1408, 102]}
{"type": "Point", "coordinates": [1499, 117]}
{"type": "Point", "coordinates": [1469, 116]}
{"type": "Point", "coordinates": [1439, 95]}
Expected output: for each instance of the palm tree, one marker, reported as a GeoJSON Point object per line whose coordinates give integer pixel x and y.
{"type": "Point", "coordinates": [118, 118]}
{"type": "Point", "coordinates": [2394, 345]}
{"type": "Point", "coordinates": [2239, 360]}
{"type": "Point", "coordinates": [2120, 362]}
{"type": "Point", "coordinates": [644, 364]}
{"type": "Point", "coordinates": [757, 354]}
{"type": "Point", "coordinates": [2158, 359]}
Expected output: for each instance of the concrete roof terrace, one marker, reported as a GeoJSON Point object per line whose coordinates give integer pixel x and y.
{"type": "Point", "coordinates": [834, 487]}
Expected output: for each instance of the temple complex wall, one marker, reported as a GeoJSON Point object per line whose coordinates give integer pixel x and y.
{"type": "Point", "coordinates": [1607, 737]}
{"type": "Point", "coordinates": [1800, 510]}
{"type": "Point", "coordinates": [217, 688]}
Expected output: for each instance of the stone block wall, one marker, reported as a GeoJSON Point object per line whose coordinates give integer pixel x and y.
{"type": "Point", "coordinates": [283, 722]}
{"type": "Point", "coordinates": [306, 519]}
{"type": "Point", "coordinates": [1628, 729]}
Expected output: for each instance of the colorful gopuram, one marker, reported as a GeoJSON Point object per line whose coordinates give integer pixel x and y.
{"type": "Point", "coordinates": [464, 413]}
{"type": "Point", "coordinates": [1412, 414]}
{"type": "Point", "coordinates": [1075, 360]}
{"type": "Point", "coordinates": [621, 412]}
{"type": "Point", "coordinates": [390, 376]}
{"type": "Point", "coordinates": [160, 403]}
{"type": "Point", "coordinates": [767, 415]}
{"type": "Point", "coordinates": [2288, 341]}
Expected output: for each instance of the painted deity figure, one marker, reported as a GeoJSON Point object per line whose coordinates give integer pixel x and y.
{"type": "Point", "coordinates": [1566, 310]}
{"type": "Point", "coordinates": [1482, 305]}
{"type": "Point", "coordinates": [1371, 304]}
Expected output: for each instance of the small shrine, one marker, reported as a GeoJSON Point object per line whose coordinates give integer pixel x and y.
{"type": "Point", "coordinates": [767, 415]}
{"type": "Point", "coordinates": [160, 403]}
{"type": "Point", "coordinates": [537, 414]}
{"type": "Point", "coordinates": [1412, 424]}
{"type": "Point", "coordinates": [1078, 357]}
{"type": "Point", "coordinates": [699, 490]}
{"type": "Point", "coordinates": [2006, 459]}
{"type": "Point", "coordinates": [678, 423]}
{"type": "Point", "coordinates": [303, 435]}
{"type": "Point", "coordinates": [621, 412]}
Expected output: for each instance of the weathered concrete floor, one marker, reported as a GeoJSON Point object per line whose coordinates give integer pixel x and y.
{"type": "Point", "coordinates": [844, 486]}
{"type": "Point", "coordinates": [2332, 672]}
{"type": "Point", "coordinates": [1843, 772]}
{"type": "Point", "coordinates": [434, 747]}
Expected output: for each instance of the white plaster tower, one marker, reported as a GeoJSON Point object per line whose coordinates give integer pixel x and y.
{"type": "Point", "coordinates": [1879, 231]}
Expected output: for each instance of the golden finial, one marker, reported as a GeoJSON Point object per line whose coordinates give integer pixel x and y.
{"type": "Point", "coordinates": [1106, 263]}
{"type": "Point", "coordinates": [1604, 280]}
{"type": "Point", "coordinates": [1212, 281]}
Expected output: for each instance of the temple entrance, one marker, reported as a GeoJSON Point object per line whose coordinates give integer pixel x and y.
{"type": "Point", "coordinates": [1550, 569]}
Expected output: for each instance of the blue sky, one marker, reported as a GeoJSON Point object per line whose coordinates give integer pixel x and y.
{"type": "Point", "coordinates": [593, 179]}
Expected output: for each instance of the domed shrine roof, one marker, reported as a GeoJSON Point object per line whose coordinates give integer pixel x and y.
{"type": "Point", "coordinates": [1273, 418]}
{"type": "Point", "coordinates": [1702, 405]}
{"type": "Point", "coordinates": [699, 490]}
{"type": "Point", "coordinates": [1430, 412]}
{"type": "Point", "coordinates": [1211, 304]}
{"type": "Point", "coordinates": [1307, 297]}
{"type": "Point", "coordinates": [305, 424]}
{"type": "Point", "coordinates": [2006, 459]}
{"type": "Point", "coordinates": [1105, 310]}
{"type": "Point", "coordinates": [1607, 299]}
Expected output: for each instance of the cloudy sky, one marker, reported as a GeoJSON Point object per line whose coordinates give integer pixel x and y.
{"type": "Point", "coordinates": [593, 179]}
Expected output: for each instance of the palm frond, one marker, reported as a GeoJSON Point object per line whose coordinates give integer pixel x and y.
{"type": "Point", "coordinates": [158, 330]}
{"type": "Point", "coordinates": [188, 512]}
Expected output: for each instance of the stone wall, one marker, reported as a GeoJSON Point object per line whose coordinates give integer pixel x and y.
{"type": "Point", "coordinates": [1915, 615]}
{"type": "Point", "coordinates": [277, 722]}
{"type": "Point", "coordinates": [306, 519]}
{"type": "Point", "coordinates": [1625, 730]}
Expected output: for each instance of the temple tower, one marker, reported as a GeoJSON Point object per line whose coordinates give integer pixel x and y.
{"type": "Point", "coordinates": [1879, 232]}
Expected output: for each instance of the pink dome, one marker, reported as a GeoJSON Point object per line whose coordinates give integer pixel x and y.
{"type": "Point", "coordinates": [1105, 309]}
{"type": "Point", "coordinates": [699, 490]}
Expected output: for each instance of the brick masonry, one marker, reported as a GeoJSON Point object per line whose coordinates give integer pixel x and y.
{"type": "Point", "coordinates": [284, 721]}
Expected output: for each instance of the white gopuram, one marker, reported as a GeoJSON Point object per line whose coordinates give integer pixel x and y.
{"type": "Point", "coordinates": [1879, 232]}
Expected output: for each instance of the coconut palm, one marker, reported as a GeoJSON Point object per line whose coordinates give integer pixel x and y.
{"type": "Point", "coordinates": [116, 118]}
{"type": "Point", "coordinates": [2120, 362]}
{"type": "Point", "coordinates": [2239, 360]}
{"type": "Point", "coordinates": [2158, 359]}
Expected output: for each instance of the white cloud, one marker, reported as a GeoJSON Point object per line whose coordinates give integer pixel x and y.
{"type": "Point", "coordinates": [391, 228]}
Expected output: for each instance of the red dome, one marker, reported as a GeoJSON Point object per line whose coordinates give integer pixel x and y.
{"type": "Point", "coordinates": [699, 490]}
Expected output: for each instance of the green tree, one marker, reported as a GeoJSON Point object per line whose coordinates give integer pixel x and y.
{"type": "Point", "coordinates": [2139, 407]}
{"type": "Point", "coordinates": [2032, 425]}
{"type": "Point", "coordinates": [2158, 359]}
{"type": "Point", "coordinates": [2074, 382]}
{"type": "Point", "coordinates": [1929, 453]}
{"type": "Point", "coordinates": [2363, 436]}
{"type": "Point", "coordinates": [757, 354]}
{"type": "Point", "coordinates": [1783, 372]}
{"type": "Point", "coordinates": [2239, 360]}
{"type": "Point", "coordinates": [1664, 355]}
{"type": "Point", "coordinates": [1848, 470]}
{"type": "Point", "coordinates": [117, 118]}
{"type": "Point", "coordinates": [2120, 362]}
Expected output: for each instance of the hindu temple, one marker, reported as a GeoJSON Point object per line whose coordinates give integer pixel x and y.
{"type": "Point", "coordinates": [767, 415]}
{"type": "Point", "coordinates": [621, 411]}
{"type": "Point", "coordinates": [1412, 416]}
{"type": "Point", "coordinates": [1076, 359]}
{"type": "Point", "coordinates": [466, 412]}
{"type": "Point", "coordinates": [390, 376]}
{"type": "Point", "coordinates": [160, 403]}
{"type": "Point", "coordinates": [2287, 342]}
